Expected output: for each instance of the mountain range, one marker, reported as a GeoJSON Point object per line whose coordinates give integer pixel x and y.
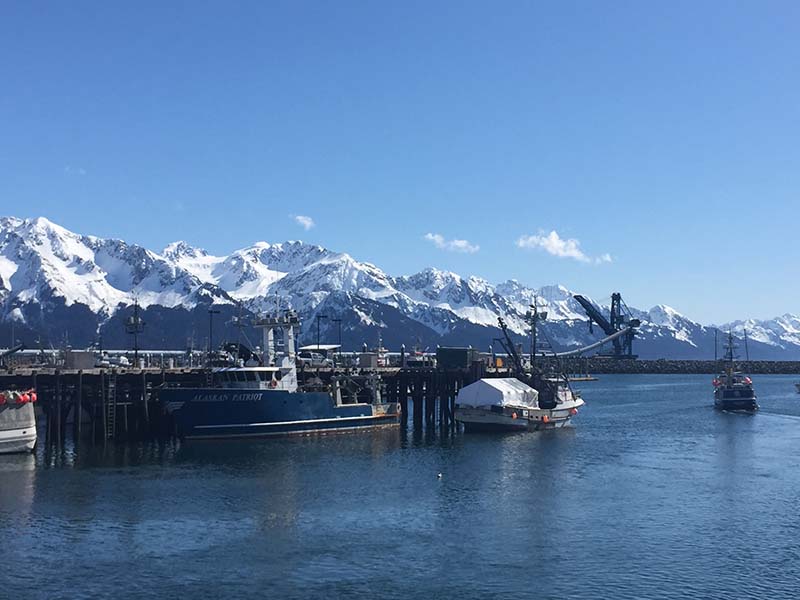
{"type": "Point", "coordinates": [58, 287]}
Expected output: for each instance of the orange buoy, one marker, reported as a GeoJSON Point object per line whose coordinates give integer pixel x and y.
{"type": "Point", "coordinates": [33, 396]}
{"type": "Point", "coordinates": [573, 411]}
{"type": "Point", "coordinates": [546, 419]}
{"type": "Point", "coordinates": [23, 398]}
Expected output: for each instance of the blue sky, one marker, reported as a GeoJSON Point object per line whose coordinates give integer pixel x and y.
{"type": "Point", "coordinates": [664, 139]}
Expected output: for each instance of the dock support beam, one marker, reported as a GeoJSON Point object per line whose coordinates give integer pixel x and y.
{"type": "Point", "coordinates": [77, 407]}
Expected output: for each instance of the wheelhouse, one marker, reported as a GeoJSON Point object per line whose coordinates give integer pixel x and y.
{"type": "Point", "coordinates": [249, 377]}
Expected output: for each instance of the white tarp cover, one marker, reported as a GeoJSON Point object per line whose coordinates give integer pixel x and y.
{"type": "Point", "coordinates": [506, 391]}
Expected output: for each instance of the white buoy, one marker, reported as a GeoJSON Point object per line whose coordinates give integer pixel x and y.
{"type": "Point", "coordinates": [439, 476]}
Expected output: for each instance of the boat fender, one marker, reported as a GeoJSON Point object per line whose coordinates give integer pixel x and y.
{"type": "Point", "coordinates": [23, 398]}
{"type": "Point", "coordinates": [513, 415]}
{"type": "Point", "coordinates": [273, 383]}
{"type": "Point", "coordinates": [33, 396]}
{"type": "Point", "coordinates": [573, 411]}
{"type": "Point", "coordinates": [545, 419]}
{"type": "Point", "coordinates": [2, 398]}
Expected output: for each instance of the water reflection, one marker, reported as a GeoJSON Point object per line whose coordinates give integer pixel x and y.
{"type": "Point", "coordinates": [649, 482]}
{"type": "Point", "coordinates": [17, 485]}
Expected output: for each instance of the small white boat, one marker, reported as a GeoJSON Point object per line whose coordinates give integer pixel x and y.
{"type": "Point", "coordinates": [17, 421]}
{"type": "Point", "coordinates": [508, 404]}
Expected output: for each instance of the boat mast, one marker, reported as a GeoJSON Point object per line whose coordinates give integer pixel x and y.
{"type": "Point", "coordinates": [746, 350]}
{"type": "Point", "coordinates": [533, 317]}
{"type": "Point", "coordinates": [716, 344]}
{"type": "Point", "coordinates": [729, 357]}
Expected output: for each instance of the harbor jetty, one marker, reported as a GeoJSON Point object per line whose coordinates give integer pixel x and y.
{"type": "Point", "coordinates": [608, 365]}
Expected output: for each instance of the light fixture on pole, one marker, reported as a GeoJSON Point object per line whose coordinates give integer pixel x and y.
{"type": "Point", "coordinates": [211, 313]}
{"type": "Point", "coordinates": [339, 323]}
{"type": "Point", "coordinates": [134, 326]}
{"type": "Point", "coordinates": [318, 318]}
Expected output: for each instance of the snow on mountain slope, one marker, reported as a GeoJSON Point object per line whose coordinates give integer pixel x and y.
{"type": "Point", "coordinates": [54, 263]}
{"type": "Point", "coordinates": [243, 274]}
{"type": "Point", "coordinates": [333, 272]}
{"type": "Point", "coordinates": [780, 332]}
{"type": "Point", "coordinates": [472, 299]}
{"type": "Point", "coordinates": [557, 300]}
{"type": "Point", "coordinates": [44, 266]}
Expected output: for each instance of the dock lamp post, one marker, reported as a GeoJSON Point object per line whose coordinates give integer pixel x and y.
{"type": "Point", "coordinates": [339, 323]}
{"type": "Point", "coordinates": [134, 326]}
{"type": "Point", "coordinates": [318, 319]}
{"type": "Point", "coordinates": [339, 350]}
{"type": "Point", "coordinates": [211, 313]}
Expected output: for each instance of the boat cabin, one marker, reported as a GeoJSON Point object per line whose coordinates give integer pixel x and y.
{"type": "Point", "coordinates": [262, 378]}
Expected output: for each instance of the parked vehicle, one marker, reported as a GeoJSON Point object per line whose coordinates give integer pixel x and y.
{"type": "Point", "coordinates": [313, 360]}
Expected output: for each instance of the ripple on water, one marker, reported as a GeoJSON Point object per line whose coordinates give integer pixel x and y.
{"type": "Point", "coordinates": [652, 494]}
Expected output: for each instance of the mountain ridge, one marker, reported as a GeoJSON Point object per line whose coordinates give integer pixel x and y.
{"type": "Point", "coordinates": [58, 284]}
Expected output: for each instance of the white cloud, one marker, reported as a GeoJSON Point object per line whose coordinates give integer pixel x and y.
{"type": "Point", "coordinates": [74, 171]}
{"type": "Point", "coordinates": [554, 244]}
{"type": "Point", "coordinates": [452, 245]}
{"type": "Point", "coordinates": [304, 222]}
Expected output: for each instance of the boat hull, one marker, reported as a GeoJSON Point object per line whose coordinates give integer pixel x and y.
{"type": "Point", "coordinates": [487, 420]}
{"type": "Point", "coordinates": [17, 428]}
{"type": "Point", "coordinates": [217, 413]}
{"type": "Point", "coordinates": [740, 404]}
{"type": "Point", "coordinates": [741, 398]}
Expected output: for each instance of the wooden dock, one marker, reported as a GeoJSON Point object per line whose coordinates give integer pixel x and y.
{"type": "Point", "coordinates": [99, 405]}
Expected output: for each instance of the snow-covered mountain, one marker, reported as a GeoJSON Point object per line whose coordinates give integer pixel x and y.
{"type": "Point", "coordinates": [57, 285]}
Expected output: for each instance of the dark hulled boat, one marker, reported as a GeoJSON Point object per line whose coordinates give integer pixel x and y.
{"type": "Point", "coordinates": [733, 390]}
{"type": "Point", "coordinates": [257, 401]}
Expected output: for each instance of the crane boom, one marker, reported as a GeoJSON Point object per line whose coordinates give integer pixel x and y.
{"type": "Point", "coordinates": [508, 345]}
{"type": "Point", "coordinates": [595, 314]}
{"type": "Point", "coordinates": [618, 322]}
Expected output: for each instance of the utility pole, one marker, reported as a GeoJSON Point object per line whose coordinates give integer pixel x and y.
{"type": "Point", "coordinates": [134, 326]}
{"type": "Point", "coordinates": [318, 318]}
{"type": "Point", "coordinates": [211, 313]}
{"type": "Point", "coordinates": [339, 323]}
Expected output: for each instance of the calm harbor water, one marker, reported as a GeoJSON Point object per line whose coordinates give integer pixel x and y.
{"type": "Point", "coordinates": [651, 494]}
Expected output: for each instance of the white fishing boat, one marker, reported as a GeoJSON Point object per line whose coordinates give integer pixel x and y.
{"type": "Point", "coordinates": [17, 421]}
{"type": "Point", "coordinates": [508, 404]}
